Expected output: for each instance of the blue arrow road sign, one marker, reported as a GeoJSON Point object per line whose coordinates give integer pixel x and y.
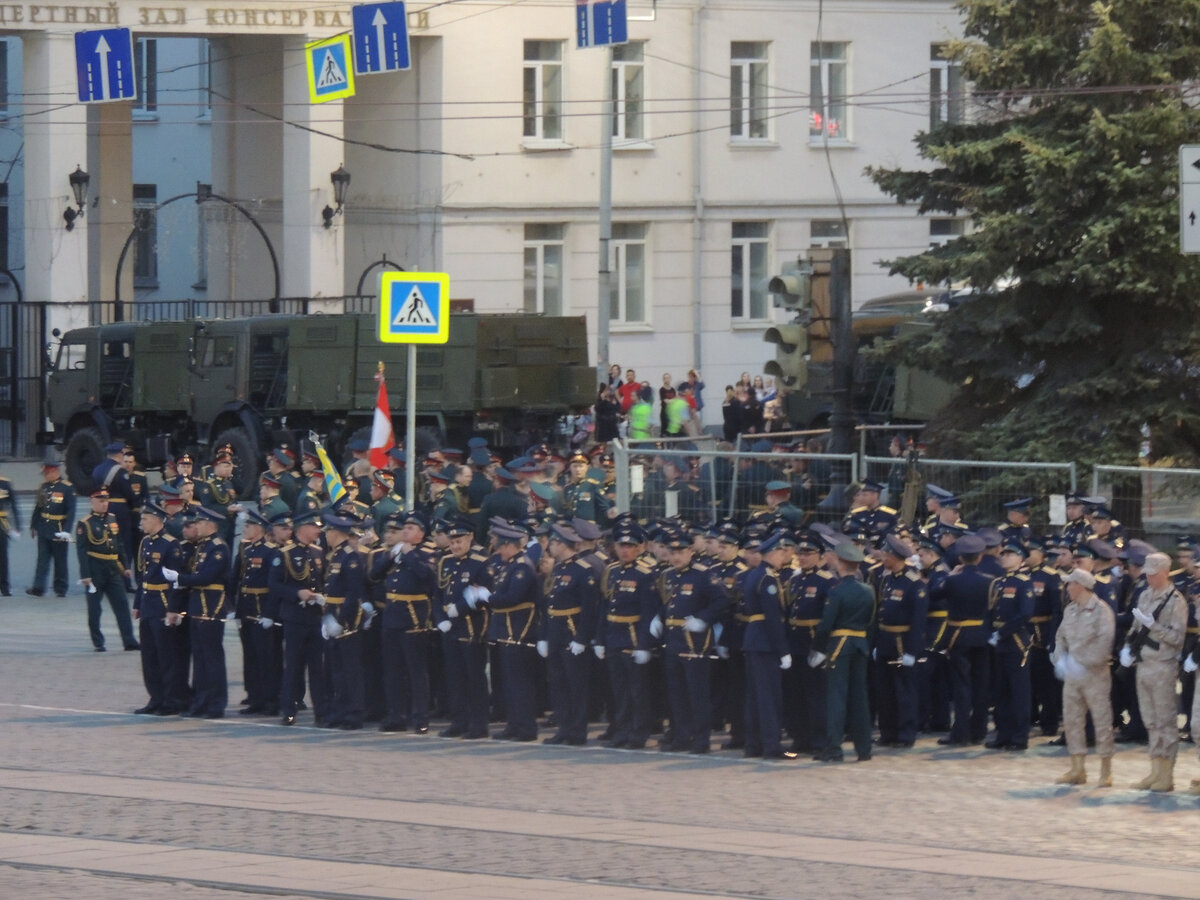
{"type": "Point", "coordinates": [380, 38]}
{"type": "Point", "coordinates": [104, 65]}
{"type": "Point", "coordinates": [599, 23]}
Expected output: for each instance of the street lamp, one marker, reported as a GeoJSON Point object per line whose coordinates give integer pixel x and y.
{"type": "Point", "coordinates": [79, 184]}
{"type": "Point", "coordinates": [341, 180]}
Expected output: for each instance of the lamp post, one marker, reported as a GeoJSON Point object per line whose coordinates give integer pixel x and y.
{"type": "Point", "coordinates": [79, 184]}
{"type": "Point", "coordinates": [341, 181]}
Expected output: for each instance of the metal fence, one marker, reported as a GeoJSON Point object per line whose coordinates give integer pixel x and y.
{"type": "Point", "coordinates": [983, 486]}
{"type": "Point", "coordinates": [1150, 502]}
{"type": "Point", "coordinates": [22, 366]}
{"type": "Point", "coordinates": [704, 484]}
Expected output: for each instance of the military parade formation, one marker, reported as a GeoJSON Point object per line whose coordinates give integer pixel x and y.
{"type": "Point", "coordinates": [512, 591]}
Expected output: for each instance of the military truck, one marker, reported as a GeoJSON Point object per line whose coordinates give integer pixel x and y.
{"type": "Point", "coordinates": [257, 381]}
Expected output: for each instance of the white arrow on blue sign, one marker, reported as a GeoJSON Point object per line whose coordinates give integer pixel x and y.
{"type": "Point", "coordinates": [104, 65]}
{"type": "Point", "coordinates": [600, 23]}
{"type": "Point", "coordinates": [380, 38]}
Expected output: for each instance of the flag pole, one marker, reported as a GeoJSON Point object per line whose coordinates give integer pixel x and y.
{"type": "Point", "coordinates": [410, 431]}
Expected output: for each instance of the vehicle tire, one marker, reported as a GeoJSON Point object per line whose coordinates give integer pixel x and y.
{"type": "Point", "coordinates": [247, 460]}
{"type": "Point", "coordinates": [84, 451]}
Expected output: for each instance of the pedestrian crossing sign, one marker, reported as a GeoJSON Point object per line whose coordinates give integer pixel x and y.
{"type": "Point", "coordinates": [414, 308]}
{"type": "Point", "coordinates": [330, 69]}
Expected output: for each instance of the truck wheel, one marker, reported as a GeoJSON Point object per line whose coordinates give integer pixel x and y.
{"type": "Point", "coordinates": [247, 460]}
{"type": "Point", "coordinates": [84, 451]}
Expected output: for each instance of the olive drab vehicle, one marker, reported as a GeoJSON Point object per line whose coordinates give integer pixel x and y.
{"type": "Point", "coordinates": [258, 381]}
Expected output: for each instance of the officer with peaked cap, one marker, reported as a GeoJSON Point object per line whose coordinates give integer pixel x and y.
{"type": "Point", "coordinates": [163, 664]}
{"type": "Point", "coordinates": [103, 568]}
{"type": "Point", "coordinates": [1016, 525]}
{"type": "Point", "coordinates": [933, 673]}
{"type": "Point", "coordinates": [513, 629]}
{"type": "Point", "coordinates": [804, 686]}
{"type": "Point", "coordinates": [298, 579]}
{"type": "Point", "coordinates": [965, 641]}
{"type": "Point", "coordinates": [903, 602]}
{"type": "Point", "coordinates": [345, 594]}
{"type": "Point", "coordinates": [257, 612]}
{"type": "Point", "coordinates": [866, 514]}
{"type": "Point", "coordinates": [51, 524]}
{"type": "Point", "coordinates": [765, 647]}
{"type": "Point", "coordinates": [1011, 604]}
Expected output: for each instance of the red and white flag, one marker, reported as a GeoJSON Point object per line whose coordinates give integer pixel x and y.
{"type": "Point", "coordinates": [382, 439]}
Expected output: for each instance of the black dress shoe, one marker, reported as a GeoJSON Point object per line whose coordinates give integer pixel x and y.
{"type": "Point", "coordinates": [350, 726]}
{"type": "Point", "coordinates": [212, 715]}
{"type": "Point", "coordinates": [555, 739]}
{"type": "Point", "coordinates": [251, 711]}
{"type": "Point", "coordinates": [421, 729]}
{"type": "Point", "coordinates": [635, 745]}
{"type": "Point", "coordinates": [1016, 748]}
{"type": "Point", "coordinates": [996, 745]}
{"type": "Point", "coordinates": [864, 757]}
{"type": "Point", "coordinates": [98, 649]}
{"type": "Point", "coordinates": [245, 701]}
{"type": "Point", "coordinates": [828, 756]}
{"type": "Point", "coordinates": [671, 748]}
{"type": "Point", "coordinates": [451, 732]}
{"type": "Point", "coordinates": [147, 710]}
{"type": "Point", "coordinates": [699, 751]}
{"type": "Point", "coordinates": [474, 735]}
{"type": "Point", "coordinates": [393, 726]}
{"type": "Point", "coordinates": [288, 720]}
{"type": "Point", "coordinates": [733, 745]}
{"type": "Point", "coordinates": [523, 738]}
{"type": "Point", "coordinates": [33, 592]}
{"type": "Point", "coordinates": [503, 736]}
{"type": "Point", "coordinates": [779, 754]}
{"type": "Point", "coordinates": [752, 754]}
{"type": "Point", "coordinates": [301, 705]}
{"type": "Point", "coordinates": [575, 742]}
{"type": "Point", "coordinates": [951, 742]}
{"type": "Point", "coordinates": [1060, 741]}
{"type": "Point", "coordinates": [166, 711]}
{"type": "Point", "coordinates": [133, 646]}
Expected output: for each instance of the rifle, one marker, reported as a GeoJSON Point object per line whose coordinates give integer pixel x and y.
{"type": "Point", "coordinates": [1139, 636]}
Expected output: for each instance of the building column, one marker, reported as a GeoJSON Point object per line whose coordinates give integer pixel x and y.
{"type": "Point", "coordinates": [313, 258]}
{"type": "Point", "coordinates": [56, 260]}
{"type": "Point", "coordinates": [110, 215]}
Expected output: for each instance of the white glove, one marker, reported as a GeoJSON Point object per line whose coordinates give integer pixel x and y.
{"type": "Point", "coordinates": [171, 575]}
{"type": "Point", "coordinates": [815, 658]}
{"type": "Point", "coordinates": [230, 616]}
{"type": "Point", "coordinates": [1126, 657]}
{"type": "Point", "coordinates": [1060, 669]}
{"type": "Point", "coordinates": [1144, 617]}
{"type": "Point", "coordinates": [576, 648]}
{"type": "Point", "coordinates": [722, 651]}
{"type": "Point", "coordinates": [785, 661]}
{"type": "Point", "coordinates": [444, 626]}
{"type": "Point", "coordinates": [264, 622]}
{"type": "Point", "coordinates": [543, 649]}
{"type": "Point", "coordinates": [368, 609]}
{"type": "Point", "coordinates": [1190, 664]}
{"type": "Point", "coordinates": [656, 627]}
{"type": "Point", "coordinates": [397, 551]}
{"type": "Point", "coordinates": [470, 596]}
{"type": "Point", "coordinates": [452, 610]}
{"type": "Point", "coordinates": [1073, 669]}
{"type": "Point", "coordinates": [367, 623]}
{"type": "Point", "coordinates": [15, 535]}
{"type": "Point", "coordinates": [908, 660]}
{"type": "Point", "coordinates": [482, 595]}
{"type": "Point", "coordinates": [874, 654]}
{"type": "Point", "coordinates": [317, 600]}
{"type": "Point", "coordinates": [62, 535]}
{"type": "Point", "coordinates": [598, 649]}
{"type": "Point", "coordinates": [641, 657]}
{"type": "Point", "coordinates": [330, 627]}
{"type": "Point", "coordinates": [994, 640]}
{"type": "Point", "coordinates": [694, 625]}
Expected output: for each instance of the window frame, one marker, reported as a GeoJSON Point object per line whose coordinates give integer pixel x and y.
{"type": "Point", "coordinates": [829, 241]}
{"type": "Point", "coordinates": [744, 111]}
{"type": "Point", "coordinates": [944, 108]}
{"type": "Point", "coordinates": [145, 243]}
{"type": "Point", "coordinates": [820, 67]}
{"type": "Point", "coordinates": [742, 248]}
{"type": "Point", "coordinates": [145, 69]}
{"type": "Point", "coordinates": [539, 110]}
{"type": "Point", "coordinates": [538, 244]}
{"type": "Point", "coordinates": [622, 72]}
{"type": "Point", "coordinates": [618, 263]}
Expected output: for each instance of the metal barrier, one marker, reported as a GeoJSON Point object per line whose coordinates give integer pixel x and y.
{"type": "Point", "coordinates": [703, 484]}
{"type": "Point", "coordinates": [982, 485]}
{"type": "Point", "coordinates": [1150, 501]}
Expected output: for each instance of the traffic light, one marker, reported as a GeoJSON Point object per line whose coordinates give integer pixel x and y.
{"type": "Point", "coordinates": [790, 365]}
{"type": "Point", "coordinates": [792, 288]}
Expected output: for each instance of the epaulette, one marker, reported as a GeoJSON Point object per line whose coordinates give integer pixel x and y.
{"type": "Point", "coordinates": [479, 557]}
{"type": "Point", "coordinates": [1103, 579]}
{"type": "Point", "coordinates": [825, 573]}
{"type": "Point", "coordinates": [858, 509]}
{"type": "Point", "coordinates": [699, 567]}
{"type": "Point", "coordinates": [912, 575]}
{"type": "Point", "coordinates": [167, 536]}
{"type": "Point", "coordinates": [1022, 576]}
{"type": "Point", "coordinates": [885, 509]}
{"type": "Point", "coordinates": [64, 481]}
{"type": "Point", "coordinates": [1175, 573]}
{"type": "Point", "coordinates": [644, 567]}
{"type": "Point", "coordinates": [742, 565]}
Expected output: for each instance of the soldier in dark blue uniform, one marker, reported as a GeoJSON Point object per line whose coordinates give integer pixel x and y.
{"type": "Point", "coordinates": [867, 515]}
{"type": "Point", "coordinates": [407, 621]}
{"type": "Point", "coordinates": [103, 569]}
{"type": "Point", "coordinates": [1046, 586]}
{"type": "Point", "coordinates": [297, 579]}
{"type": "Point", "coordinates": [1124, 688]}
{"type": "Point", "coordinates": [461, 615]}
{"type": "Point", "coordinates": [1010, 605]}
{"type": "Point", "coordinates": [110, 474]}
{"type": "Point", "coordinates": [803, 685]}
{"type": "Point", "coordinates": [571, 607]}
{"type": "Point", "coordinates": [1016, 526]}
{"type": "Point", "coordinates": [729, 671]}
{"type": "Point", "coordinates": [693, 600]}
{"type": "Point", "coordinates": [1077, 528]}
{"type": "Point", "coordinates": [51, 525]}
{"type": "Point", "coordinates": [202, 598]}
{"type": "Point", "coordinates": [163, 665]}
{"type": "Point", "coordinates": [966, 643]}
{"type": "Point", "coordinates": [933, 673]}
{"type": "Point", "coordinates": [903, 602]}
{"type": "Point", "coordinates": [765, 647]}
{"type": "Point", "coordinates": [251, 600]}
{"type": "Point", "coordinates": [515, 599]}
{"type": "Point", "coordinates": [10, 528]}
{"type": "Point", "coordinates": [345, 593]}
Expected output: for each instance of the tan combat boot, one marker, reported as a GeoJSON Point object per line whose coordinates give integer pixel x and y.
{"type": "Point", "coordinates": [1076, 774]}
{"type": "Point", "coordinates": [1105, 779]}
{"type": "Point", "coordinates": [1194, 788]}
{"type": "Point", "coordinates": [1144, 784]}
{"type": "Point", "coordinates": [1166, 776]}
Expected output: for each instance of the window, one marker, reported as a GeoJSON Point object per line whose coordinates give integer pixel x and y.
{"type": "Point", "coordinates": [542, 108]}
{"type": "Point", "coordinates": [205, 69]}
{"type": "Point", "coordinates": [946, 90]}
{"type": "Point", "coordinates": [145, 245]}
{"type": "Point", "coordinates": [627, 259]}
{"type": "Point", "coordinates": [544, 269]}
{"type": "Point", "coordinates": [748, 269]}
{"type": "Point", "coordinates": [3, 77]}
{"type": "Point", "coordinates": [71, 356]}
{"type": "Point", "coordinates": [943, 231]}
{"type": "Point", "coordinates": [218, 352]}
{"type": "Point", "coordinates": [828, 90]}
{"type": "Point", "coordinates": [628, 92]}
{"type": "Point", "coordinates": [3, 228]}
{"type": "Point", "coordinates": [145, 73]}
{"type": "Point", "coordinates": [748, 90]}
{"type": "Point", "coordinates": [828, 233]}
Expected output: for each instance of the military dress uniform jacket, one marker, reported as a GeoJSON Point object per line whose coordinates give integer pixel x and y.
{"type": "Point", "coordinates": [967, 617]}
{"type": "Point", "coordinates": [111, 474]}
{"type": "Point", "coordinates": [1046, 586]}
{"type": "Point", "coordinates": [252, 583]}
{"type": "Point", "coordinates": [507, 503]}
{"type": "Point", "coordinates": [631, 602]}
{"type": "Point", "coordinates": [763, 604]}
{"type": "Point", "coordinates": [935, 613]}
{"type": "Point", "coordinates": [205, 581]}
{"type": "Point", "coordinates": [154, 592]}
{"type": "Point", "coordinates": [572, 603]}
{"type": "Point", "coordinates": [383, 507]}
{"type": "Point", "coordinates": [454, 576]}
{"type": "Point", "coordinates": [731, 574]}
{"type": "Point", "coordinates": [516, 596]}
{"type": "Point", "coordinates": [807, 591]}
{"type": "Point", "coordinates": [585, 500]}
{"type": "Point", "coordinates": [875, 521]}
{"type": "Point", "coordinates": [9, 518]}
{"type": "Point", "coordinates": [53, 509]}
{"type": "Point", "coordinates": [410, 584]}
{"type": "Point", "coordinates": [346, 585]}
{"type": "Point", "coordinates": [297, 567]}
{"type": "Point", "coordinates": [901, 615]}
{"type": "Point", "coordinates": [1011, 605]}
{"type": "Point", "coordinates": [99, 547]}
{"type": "Point", "coordinates": [691, 591]}
{"type": "Point", "coordinates": [846, 620]}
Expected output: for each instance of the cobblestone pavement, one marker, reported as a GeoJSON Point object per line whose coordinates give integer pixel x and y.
{"type": "Point", "coordinates": [95, 802]}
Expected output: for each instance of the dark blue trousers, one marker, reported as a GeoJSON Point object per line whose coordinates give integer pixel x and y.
{"type": "Point", "coordinates": [688, 684]}
{"type": "Point", "coordinates": [519, 682]}
{"type": "Point", "coordinates": [1012, 700]}
{"type": "Point", "coordinates": [764, 702]}
{"type": "Point", "coordinates": [406, 676]}
{"type": "Point", "coordinates": [303, 650]}
{"type": "Point", "coordinates": [346, 670]}
{"type": "Point", "coordinates": [969, 683]}
{"type": "Point", "coordinates": [264, 695]}
{"type": "Point", "coordinates": [164, 668]}
{"type": "Point", "coordinates": [896, 696]}
{"type": "Point", "coordinates": [211, 692]}
{"type": "Point", "coordinates": [568, 676]}
{"type": "Point", "coordinates": [631, 707]}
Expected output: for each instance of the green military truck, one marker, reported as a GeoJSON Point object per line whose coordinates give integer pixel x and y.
{"type": "Point", "coordinates": [256, 381]}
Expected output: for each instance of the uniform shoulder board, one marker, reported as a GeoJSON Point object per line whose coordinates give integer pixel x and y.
{"type": "Point", "coordinates": [166, 536]}
{"type": "Point", "coordinates": [1103, 579]}
{"type": "Point", "coordinates": [699, 567]}
{"type": "Point", "coordinates": [645, 566]}
{"type": "Point", "coordinates": [858, 509]}
{"type": "Point", "coordinates": [1022, 576]}
{"type": "Point", "coordinates": [65, 481]}
{"type": "Point", "coordinates": [479, 557]}
{"type": "Point", "coordinates": [912, 574]}
{"type": "Point", "coordinates": [742, 566]}
{"type": "Point", "coordinates": [1175, 573]}
{"type": "Point", "coordinates": [825, 573]}
{"type": "Point", "coordinates": [1116, 524]}
{"type": "Point", "coordinates": [886, 509]}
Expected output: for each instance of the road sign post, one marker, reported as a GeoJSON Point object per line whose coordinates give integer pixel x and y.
{"type": "Point", "coordinates": [414, 308]}
{"type": "Point", "coordinates": [1189, 198]}
{"type": "Point", "coordinates": [104, 65]}
{"type": "Point", "coordinates": [380, 38]}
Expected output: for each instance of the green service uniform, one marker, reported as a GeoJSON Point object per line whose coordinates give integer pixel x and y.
{"type": "Point", "coordinates": [101, 553]}
{"type": "Point", "coordinates": [842, 636]}
{"type": "Point", "coordinates": [53, 514]}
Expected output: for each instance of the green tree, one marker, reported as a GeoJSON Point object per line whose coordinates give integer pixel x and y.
{"type": "Point", "coordinates": [1087, 327]}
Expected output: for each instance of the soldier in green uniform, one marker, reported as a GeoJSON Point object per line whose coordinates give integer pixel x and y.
{"type": "Point", "coordinates": [384, 499]}
{"type": "Point", "coordinates": [200, 493]}
{"type": "Point", "coordinates": [312, 498]}
{"type": "Point", "coordinates": [281, 465]}
{"type": "Point", "coordinates": [138, 482]}
{"type": "Point", "coordinates": [51, 525]}
{"type": "Point", "coordinates": [583, 496]}
{"type": "Point", "coordinates": [779, 503]}
{"type": "Point", "coordinates": [10, 528]}
{"type": "Point", "coordinates": [103, 569]}
{"type": "Point", "coordinates": [223, 495]}
{"type": "Point", "coordinates": [270, 502]}
{"type": "Point", "coordinates": [840, 643]}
